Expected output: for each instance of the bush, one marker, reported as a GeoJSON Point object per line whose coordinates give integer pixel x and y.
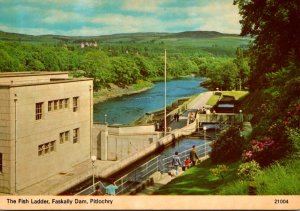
{"type": "Point", "coordinates": [219, 171]}
{"type": "Point", "coordinates": [263, 151]}
{"type": "Point", "coordinates": [228, 147]}
{"type": "Point", "coordinates": [247, 171]}
{"type": "Point", "coordinates": [294, 137]}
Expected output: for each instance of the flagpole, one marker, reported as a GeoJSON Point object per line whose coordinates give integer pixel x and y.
{"type": "Point", "coordinates": [165, 92]}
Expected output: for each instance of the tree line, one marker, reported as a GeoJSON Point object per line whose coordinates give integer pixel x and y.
{"type": "Point", "coordinates": [123, 65]}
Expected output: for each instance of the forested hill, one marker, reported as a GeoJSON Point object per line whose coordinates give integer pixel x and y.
{"type": "Point", "coordinates": [125, 59]}
{"type": "Point", "coordinates": [114, 37]}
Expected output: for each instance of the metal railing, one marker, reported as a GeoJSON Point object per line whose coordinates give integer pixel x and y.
{"type": "Point", "coordinates": [144, 171]}
{"type": "Point", "coordinates": [201, 150]}
{"type": "Point", "coordinates": [138, 175]}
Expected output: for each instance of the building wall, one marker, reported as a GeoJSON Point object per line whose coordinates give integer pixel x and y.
{"type": "Point", "coordinates": [32, 167]}
{"type": "Point", "coordinates": [115, 143]}
{"type": "Point", "coordinates": [5, 141]}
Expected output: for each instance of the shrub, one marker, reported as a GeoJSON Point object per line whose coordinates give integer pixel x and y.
{"type": "Point", "coordinates": [294, 137]}
{"type": "Point", "coordinates": [228, 147]}
{"type": "Point", "coordinates": [247, 171]}
{"type": "Point", "coordinates": [219, 171]}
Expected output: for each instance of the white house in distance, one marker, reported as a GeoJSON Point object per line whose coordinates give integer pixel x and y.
{"type": "Point", "coordinates": [43, 128]}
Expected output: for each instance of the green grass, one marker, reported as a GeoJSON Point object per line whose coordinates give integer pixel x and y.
{"type": "Point", "coordinates": [213, 100]}
{"type": "Point", "coordinates": [141, 85]}
{"type": "Point", "coordinates": [280, 179]}
{"type": "Point", "coordinates": [238, 95]}
{"type": "Point", "coordinates": [198, 181]}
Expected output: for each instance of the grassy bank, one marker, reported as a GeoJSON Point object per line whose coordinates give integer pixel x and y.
{"type": "Point", "coordinates": [198, 181]}
{"type": "Point", "coordinates": [238, 95]}
{"type": "Point", "coordinates": [278, 179]}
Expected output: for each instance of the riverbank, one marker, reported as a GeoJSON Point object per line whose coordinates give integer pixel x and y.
{"type": "Point", "coordinates": [116, 91]}
{"type": "Point", "coordinates": [141, 86]}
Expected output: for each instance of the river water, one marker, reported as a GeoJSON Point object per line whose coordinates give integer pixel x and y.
{"type": "Point", "coordinates": [127, 109]}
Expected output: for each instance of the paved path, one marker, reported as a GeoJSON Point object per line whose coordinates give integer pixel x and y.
{"type": "Point", "coordinates": [55, 184]}
{"type": "Point", "coordinates": [197, 103]}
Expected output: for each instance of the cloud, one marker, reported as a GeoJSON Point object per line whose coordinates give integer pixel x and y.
{"type": "Point", "coordinates": [58, 16]}
{"type": "Point", "coordinates": [71, 3]}
{"type": "Point", "coordinates": [126, 23]}
{"type": "Point", "coordinates": [141, 5]}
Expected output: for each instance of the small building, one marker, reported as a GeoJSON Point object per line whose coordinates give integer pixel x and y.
{"type": "Point", "coordinates": [226, 104]}
{"type": "Point", "coordinates": [45, 126]}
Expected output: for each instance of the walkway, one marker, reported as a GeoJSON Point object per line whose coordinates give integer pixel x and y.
{"type": "Point", "coordinates": [60, 182]}
{"type": "Point", "coordinates": [197, 103]}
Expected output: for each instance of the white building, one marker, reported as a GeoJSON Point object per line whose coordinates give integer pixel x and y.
{"type": "Point", "coordinates": [45, 126]}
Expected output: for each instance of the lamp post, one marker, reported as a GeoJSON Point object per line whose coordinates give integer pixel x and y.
{"type": "Point", "coordinates": [93, 158]}
{"type": "Point", "coordinates": [105, 115]}
{"type": "Point", "coordinates": [241, 116]}
{"type": "Point", "coordinates": [204, 131]}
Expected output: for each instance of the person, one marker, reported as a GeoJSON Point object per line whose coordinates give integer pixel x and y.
{"type": "Point", "coordinates": [193, 155]}
{"type": "Point", "coordinates": [187, 162]}
{"type": "Point", "coordinates": [97, 191]}
{"type": "Point", "coordinates": [176, 162]}
{"type": "Point", "coordinates": [111, 189]}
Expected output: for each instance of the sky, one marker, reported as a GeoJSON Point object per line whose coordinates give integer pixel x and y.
{"type": "Point", "coordinates": [105, 17]}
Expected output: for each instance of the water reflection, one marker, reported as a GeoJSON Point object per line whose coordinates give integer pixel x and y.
{"type": "Point", "coordinates": [127, 109]}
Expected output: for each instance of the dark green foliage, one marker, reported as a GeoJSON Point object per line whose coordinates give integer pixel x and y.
{"type": "Point", "coordinates": [275, 25]}
{"type": "Point", "coordinates": [228, 147]}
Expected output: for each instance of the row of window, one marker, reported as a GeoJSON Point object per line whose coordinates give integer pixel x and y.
{"type": "Point", "coordinates": [46, 148]}
{"type": "Point", "coordinates": [54, 105]}
{"type": "Point", "coordinates": [63, 137]}
{"type": "Point", "coordinates": [58, 104]}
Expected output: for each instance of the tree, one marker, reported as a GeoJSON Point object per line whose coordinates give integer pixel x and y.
{"type": "Point", "coordinates": [275, 24]}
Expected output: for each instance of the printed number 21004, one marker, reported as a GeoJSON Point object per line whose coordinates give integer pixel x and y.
{"type": "Point", "coordinates": [281, 201]}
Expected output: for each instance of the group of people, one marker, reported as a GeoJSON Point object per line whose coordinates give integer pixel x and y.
{"type": "Point", "coordinates": [189, 161]}
{"type": "Point", "coordinates": [176, 117]}
{"type": "Point", "coordinates": [110, 189]}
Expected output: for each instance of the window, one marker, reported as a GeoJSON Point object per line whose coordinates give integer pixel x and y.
{"type": "Point", "coordinates": [38, 111]}
{"type": "Point", "coordinates": [64, 136]}
{"type": "Point", "coordinates": [55, 104]}
{"type": "Point", "coordinates": [50, 105]}
{"type": "Point", "coordinates": [46, 148]}
{"type": "Point", "coordinates": [75, 135]}
{"type": "Point", "coordinates": [61, 138]}
{"type": "Point", "coordinates": [1, 162]}
{"type": "Point", "coordinates": [66, 103]}
{"type": "Point", "coordinates": [75, 103]}
{"type": "Point", "coordinates": [67, 136]}
{"type": "Point", "coordinates": [52, 146]}
{"type": "Point", "coordinates": [41, 149]}
{"type": "Point", "coordinates": [61, 104]}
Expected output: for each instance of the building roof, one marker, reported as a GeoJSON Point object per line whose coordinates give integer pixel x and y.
{"type": "Point", "coordinates": [27, 74]}
{"type": "Point", "coordinates": [17, 79]}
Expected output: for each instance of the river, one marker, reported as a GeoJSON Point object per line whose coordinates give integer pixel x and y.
{"type": "Point", "coordinates": [126, 109]}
